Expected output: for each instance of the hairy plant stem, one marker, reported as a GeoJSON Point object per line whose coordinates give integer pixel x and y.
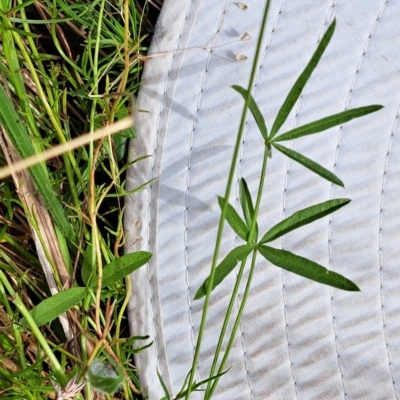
{"type": "Point", "coordinates": [226, 198]}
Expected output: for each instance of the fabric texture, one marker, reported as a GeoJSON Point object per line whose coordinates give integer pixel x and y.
{"type": "Point", "coordinates": [297, 339]}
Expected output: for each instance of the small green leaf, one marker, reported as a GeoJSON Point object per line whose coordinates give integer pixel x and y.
{"type": "Point", "coordinates": [247, 204]}
{"type": "Point", "coordinates": [103, 377]}
{"type": "Point", "coordinates": [225, 267]}
{"type": "Point", "coordinates": [123, 266]}
{"type": "Point", "coordinates": [52, 307]}
{"type": "Point", "coordinates": [234, 220]}
{"type": "Point", "coordinates": [327, 122]}
{"type": "Point", "coordinates": [303, 217]}
{"type": "Point", "coordinates": [254, 110]}
{"type": "Point", "coordinates": [298, 87]}
{"type": "Point", "coordinates": [6, 344]}
{"type": "Point", "coordinates": [307, 268]}
{"type": "Point", "coordinates": [311, 165]}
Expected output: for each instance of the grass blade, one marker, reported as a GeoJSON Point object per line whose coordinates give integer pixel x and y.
{"type": "Point", "coordinates": [164, 386]}
{"type": "Point", "coordinates": [14, 128]}
{"type": "Point", "coordinates": [298, 87]}
{"type": "Point", "coordinates": [225, 268]}
{"type": "Point", "coordinates": [52, 307]}
{"type": "Point", "coordinates": [311, 165]}
{"type": "Point", "coordinates": [254, 110]}
{"type": "Point", "coordinates": [303, 217]}
{"type": "Point", "coordinates": [234, 220]}
{"type": "Point", "coordinates": [306, 268]}
{"type": "Point", "coordinates": [123, 266]}
{"type": "Point", "coordinates": [327, 122]}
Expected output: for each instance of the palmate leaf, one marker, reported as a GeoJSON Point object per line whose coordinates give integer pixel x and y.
{"type": "Point", "coordinates": [327, 122]}
{"type": "Point", "coordinates": [298, 87]}
{"type": "Point", "coordinates": [303, 217]}
{"type": "Point", "coordinates": [310, 164]}
{"type": "Point", "coordinates": [234, 220]}
{"type": "Point", "coordinates": [306, 268]}
{"type": "Point", "coordinates": [254, 110]}
{"type": "Point", "coordinates": [247, 205]}
{"type": "Point", "coordinates": [225, 268]}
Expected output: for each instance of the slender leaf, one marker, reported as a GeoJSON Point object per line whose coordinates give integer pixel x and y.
{"type": "Point", "coordinates": [225, 268]}
{"type": "Point", "coordinates": [247, 204]}
{"type": "Point", "coordinates": [307, 268]}
{"type": "Point", "coordinates": [52, 307]}
{"type": "Point", "coordinates": [310, 164]}
{"type": "Point", "coordinates": [38, 21]}
{"type": "Point", "coordinates": [123, 266]}
{"type": "Point", "coordinates": [164, 386]}
{"type": "Point", "coordinates": [254, 110]}
{"type": "Point", "coordinates": [327, 122]}
{"type": "Point", "coordinates": [14, 128]}
{"type": "Point", "coordinates": [234, 220]}
{"type": "Point", "coordinates": [196, 385]}
{"type": "Point", "coordinates": [303, 217]}
{"type": "Point", "coordinates": [298, 87]}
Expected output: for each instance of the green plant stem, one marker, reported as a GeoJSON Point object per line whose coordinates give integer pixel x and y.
{"type": "Point", "coordinates": [226, 197]}
{"type": "Point", "coordinates": [16, 332]}
{"type": "Point", "coordinates": [58, 370]}
{"type": "Point", "coordinates": [248, 284]}
{"type": "Point", "coordinates": [96, 254]}
{"type": "Point", "coordinates": [46, 105]}
{"type": "Point", "coordinates": [125, 72]}
{"type": "Point", "coordinates": [21, 250]}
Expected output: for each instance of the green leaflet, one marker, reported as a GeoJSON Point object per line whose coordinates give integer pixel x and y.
{"type": "Point", "coordinates": [306, 268]}
{"type": "Point", "coordinates": [254, 110]}
{"type": "Point", "coordinates": [247, 205]}
{"type": "Point", "coordinates": [311, 165]}
{"type": "Point", "coordinates": [298, 87]}
{"type": "Point", "coordinates": [225, 267]}
{"type": "Point", "coordinates": [327, 122]}
{"type": "Point", "coordinates": [303, 217]}
{"type": "Point", "coordinates": [234, 220]}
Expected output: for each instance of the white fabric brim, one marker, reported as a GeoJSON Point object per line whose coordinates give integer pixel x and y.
{"type": "Point", "coordinates": [297, 339]}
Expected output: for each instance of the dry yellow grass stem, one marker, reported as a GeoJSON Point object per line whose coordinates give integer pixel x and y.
{"type": "Point", "coordinates": [63, 148]}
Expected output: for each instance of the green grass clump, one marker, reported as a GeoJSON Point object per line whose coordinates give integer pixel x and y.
{"type": "Point", "coordinates": [66, 68]}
